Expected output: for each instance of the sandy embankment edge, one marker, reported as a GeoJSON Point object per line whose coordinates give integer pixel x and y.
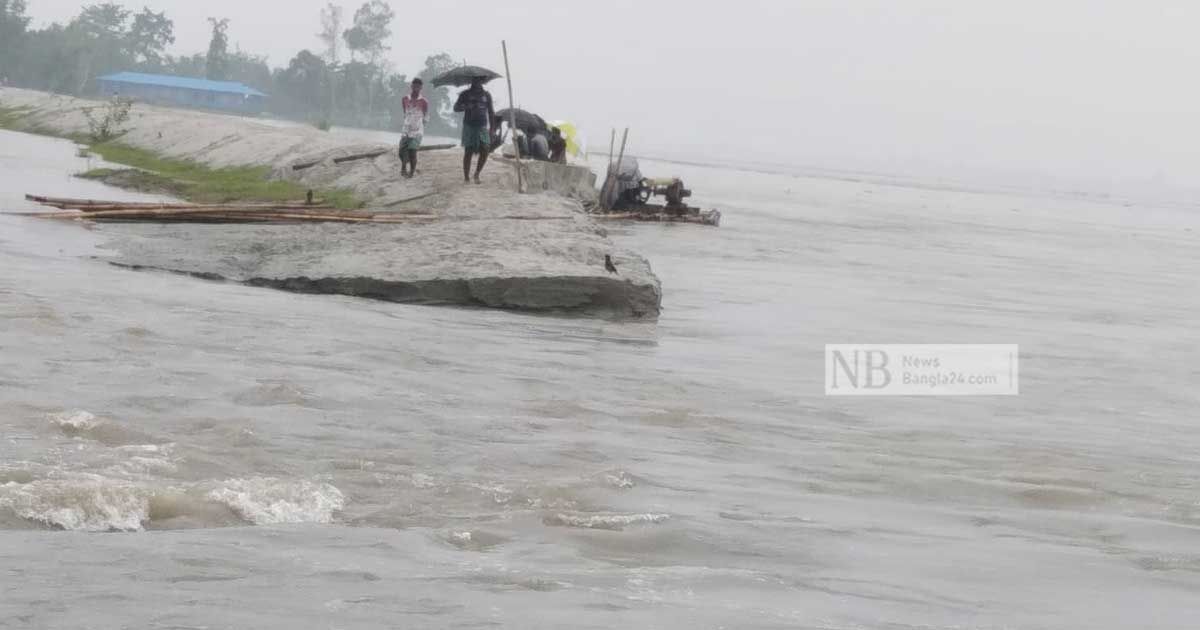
{"type": "Point", "coordinates": [488, 246]}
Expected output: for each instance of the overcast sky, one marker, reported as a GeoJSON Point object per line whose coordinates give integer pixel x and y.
{"type": "Point", "coordinates": [1089, 91]}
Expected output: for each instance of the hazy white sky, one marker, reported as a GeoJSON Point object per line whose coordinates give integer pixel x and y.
{"type": "Point", "coordinates": [1090, 91]}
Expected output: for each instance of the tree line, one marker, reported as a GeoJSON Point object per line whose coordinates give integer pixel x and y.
{"type": "Point", "coordinates": [349, 82]}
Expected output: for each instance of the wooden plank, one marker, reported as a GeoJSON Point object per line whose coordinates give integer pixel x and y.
{"type": "Point", "coordinates": [96, 204]}
{"type": "Point", "coordinates": [368, 156]}
{"type": "Point", "coordinates": [360, 156]}
{"type": "Point", "coordinates": [216, 207]}
{"type": "Point", "coordinates": [178, 212]}
{"type": "Point", "coordinates": [411, 199]}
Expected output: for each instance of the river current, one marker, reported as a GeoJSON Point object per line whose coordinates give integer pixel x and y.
{"type": "Point", "coordinates": [181, 453]}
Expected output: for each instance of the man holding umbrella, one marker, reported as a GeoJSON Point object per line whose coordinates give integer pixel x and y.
{"type": "Point", "coordinates": [475, 103]}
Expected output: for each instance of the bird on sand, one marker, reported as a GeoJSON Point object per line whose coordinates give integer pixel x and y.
{"type": "Point", "coordinates": [608, 264]}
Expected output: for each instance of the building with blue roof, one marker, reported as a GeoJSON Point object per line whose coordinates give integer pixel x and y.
{"type": "Point", "coordinates": [162, 89]}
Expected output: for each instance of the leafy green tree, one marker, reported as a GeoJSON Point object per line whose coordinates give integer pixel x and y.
{"type": "Point", "coordinates": [331, 33]}
{"type": "Point", "coordinates": [13, 23]}
{"type": "Point", "coordinates": [58, 59]}
{"type": "Point", "coordinates": [103, 21]}
{"type": "Point", "coordinates": [149, 37]}
{"type": "Point", "coordinates": [104, 36]}
{"type": "Point", "coordinates": [366, 38]}
{"type": "Point", "coordinates": [440, 106]}
{"type": "Point", "coordinates": [186, 66]}
{"type": "Point", "coordinates": [249, 69]}
{"type": "Point", "coordinates": [331, 36]}
{"type": "Point", "coordinates": [103, 45]}
{"type": "Point", "coordinates": [13, 20]}
{"type": "Point", "coordinates": [300, 88]}
{"type": "Point", "coordinates": [372, 27]}
{"type": "Point", "coordinates": [217, 62]}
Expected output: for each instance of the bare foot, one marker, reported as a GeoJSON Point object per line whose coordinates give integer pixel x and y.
{"type": "Point", "coordinates": [477, 179]}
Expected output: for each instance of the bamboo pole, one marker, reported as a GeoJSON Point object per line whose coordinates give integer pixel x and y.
{"type": "Point", "coordinates": [612, 146]}
{"type": "Point", "coordinates": [412, 199]}
{"type": "Point", "coordinates": [54, 201]}
{"type": "Point", "coordinates": [512, 118]}
{"type": "Point", "coordinates": [215, 207]}
{"type": "Point", "coordinates": [613, 173]}
{"type": "Point", "coordinates": [621, 157]}
{"type": "Point", "coordinates": [94, 204]}
{"type": "Point", "coordinates": [275, 216]}
{"type": "Point", "coordinates": [361, 156]}
{"type": "Point", "coordinates": [150, 213]}
{"type": "Point", "coordinates": [254, 217]}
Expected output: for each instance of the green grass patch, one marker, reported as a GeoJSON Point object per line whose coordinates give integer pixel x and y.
{"type": "Point", "coordinates": [10, 117]}
{"type": "Point", "coordinates": [185, 179]}
{"type": "Point", "coordinates": [202, 184]}
{"type": "Point", "coordinates": [139, 180]}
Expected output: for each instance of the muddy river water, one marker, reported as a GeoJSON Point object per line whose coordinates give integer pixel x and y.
{"type": "Point", "coordinates": [180, 453]}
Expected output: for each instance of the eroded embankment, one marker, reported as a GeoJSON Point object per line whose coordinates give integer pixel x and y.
{"type": "Point", "coordinates": [485, 245]}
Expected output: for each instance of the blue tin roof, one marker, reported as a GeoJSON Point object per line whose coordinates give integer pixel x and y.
{"type": "Point", "coordinates": [188, 83]}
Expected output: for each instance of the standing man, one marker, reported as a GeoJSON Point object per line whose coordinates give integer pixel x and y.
{"type": "Point", "coordinates": [416, 112]}
{"type": "Point", "coordinates": [558, 146]}
{"type": "Point", "coordinates": [476, 106]}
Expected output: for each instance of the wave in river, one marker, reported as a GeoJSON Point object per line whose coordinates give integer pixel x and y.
{"type": "Point", "coordinates": [95, 503]}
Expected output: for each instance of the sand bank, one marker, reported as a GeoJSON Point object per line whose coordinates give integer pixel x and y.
{"type": "Point", "coordinates": [487, 245]}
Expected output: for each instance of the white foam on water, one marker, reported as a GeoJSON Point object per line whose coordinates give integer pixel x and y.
{"type": "Point", "coordinates": [620, 480]}
{"type": "Point", "coordinates": [75, 421]}
{"type": "Point", "coordinates": [615, 522]}
{"type": "Point", "coordinates": [146, 448]}
{"type": "Point", "coordinates": [147, 466]}
{"type": "Point", "coordinates": [144, 460]}
{"type": "Point", "coordinates": [270, 501]}
{"type": "Point", "coordinates": [96, 503]}
{"type": "Point", "coordinates": [82, 503]}
{"type": "Point", "coordinates": [423, 481]}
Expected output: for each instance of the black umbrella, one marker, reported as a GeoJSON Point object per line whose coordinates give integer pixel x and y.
{"type": "Point", "coordinates": [464, 75]}
{"type": "Point", "coordinates": [529, 122]}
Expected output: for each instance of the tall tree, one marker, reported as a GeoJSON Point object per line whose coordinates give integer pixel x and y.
{"type": "Point", "coordinates": [372, 27]}
{"type": "Point", "coordinates": [13, 20]}
{"type": "Point", "coordinates": [149, 37]}
{"type": "Point", "coordinates": [440, 107]}
{"type": "Point", "coordinates": [249, 69]}
{"type": "Point", "coordinates": [331, 33]}
{"type": "Point", "coordinates": [186, 66]}
{"type": "Point", "coordinates": [103, 21]}
{"type": "Point", "coordinates": [98, 41]}
{"type": "Point", "coordinates": [13, 23]}
{"type": "Point", "coordinates": [302, 83]}
{"type": "Point", "coordinates": [331, 36]}
{"type": "Point", "coordinates": [217, 65]}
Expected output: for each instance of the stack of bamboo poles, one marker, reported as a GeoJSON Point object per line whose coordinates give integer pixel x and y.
{"type": "Point", "coordinates": [300, 211]}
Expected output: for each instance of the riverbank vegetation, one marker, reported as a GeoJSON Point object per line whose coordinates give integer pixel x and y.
{"type": "Point", "coordinates": [322, 87]}
{"type": "Point", "coordinates": [185, 179]}
{"type": "Point", "coordinates": [199, 183]}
